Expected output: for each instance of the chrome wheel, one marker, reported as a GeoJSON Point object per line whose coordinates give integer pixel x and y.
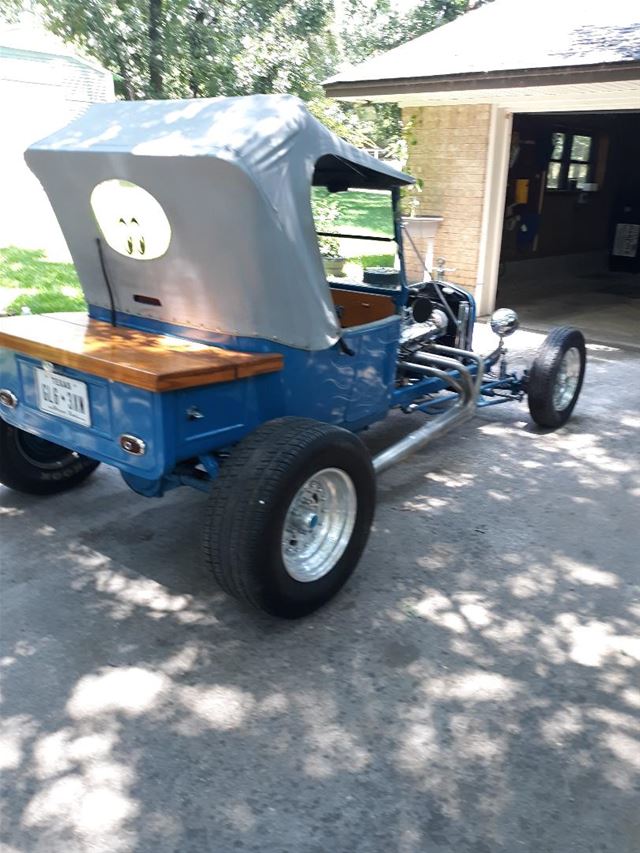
{"type": "Point", "coordinates": [318, 525]}
{"type": "Point", "coordinates": [567, 379]}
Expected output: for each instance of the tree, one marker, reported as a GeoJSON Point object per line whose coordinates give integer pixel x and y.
{"type": "Point", "coordinates": [368, 27]}
{"type": "Point", "coordinates": [203, 48]}
{"type": "Point", "coordinates": [192, 48]}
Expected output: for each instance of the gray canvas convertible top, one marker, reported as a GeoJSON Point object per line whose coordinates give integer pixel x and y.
{"type": "Point", "coordinates": [221, 235]}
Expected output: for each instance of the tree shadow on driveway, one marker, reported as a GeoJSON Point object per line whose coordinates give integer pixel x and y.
{"type": "Point", "coordinates": [475, 688]}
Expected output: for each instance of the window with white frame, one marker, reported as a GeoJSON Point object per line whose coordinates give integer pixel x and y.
{"type": "Point", "coordinates": [571, 161]}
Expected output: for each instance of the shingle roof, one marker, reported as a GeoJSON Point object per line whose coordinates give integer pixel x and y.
{"type": "Point", "coordinates": [79, 80]}
{"type": "Point", "coordinates": [511, 35]}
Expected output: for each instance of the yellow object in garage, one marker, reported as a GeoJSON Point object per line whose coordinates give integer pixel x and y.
{"type": "Point", "coordinates": [522, 190]}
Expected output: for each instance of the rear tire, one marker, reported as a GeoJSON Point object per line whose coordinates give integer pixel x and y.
{"type": "Point", "coordinates": [556, 377]}
{"type": "Point", "coordinates": [38, 467]}
{"type": "Point", "coordinates": [289, 515]}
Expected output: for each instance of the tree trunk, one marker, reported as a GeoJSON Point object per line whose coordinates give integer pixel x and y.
{"type": "Point", "coordinates": [194, 44]}
{"type": "Point", "coordinates": [125, 78]}
{"type": "Point", "coordinates": [155, 49]}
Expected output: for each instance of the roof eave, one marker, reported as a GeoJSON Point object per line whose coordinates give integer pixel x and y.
{"type": "Point", "coordinates": [521, 78]}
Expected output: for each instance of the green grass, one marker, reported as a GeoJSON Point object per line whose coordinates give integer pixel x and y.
{"type": "Point", "coordinates": [356, 265]}
{"type": "Point", "coordinates": [362, 212]}
{"type": "Point", "coordinates": [44, 286]}
{"type": "Point", "coordinates": [374, 260]}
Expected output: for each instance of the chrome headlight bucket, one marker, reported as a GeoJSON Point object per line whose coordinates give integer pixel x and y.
{"type": "Point", "coordinates": [504, 322]}
{"type": "Point", "coordinates": [440, 321]}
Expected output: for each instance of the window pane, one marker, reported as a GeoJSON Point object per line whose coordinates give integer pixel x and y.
{"type": "Point", "coordinates": [578, 173]}
{"type": "Point", "coordinates": [553, 176]}
{"type": "Point", "coordinates": [131, 220]}
{"type": "Point", "coordinates": [557, 142]}
{"type": "Point", "coordinates": [354, 212]}
{"type": "Point", "coordinates": [581, 148]}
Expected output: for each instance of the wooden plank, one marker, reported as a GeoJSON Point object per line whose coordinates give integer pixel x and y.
{"type": "Point", "coordinates": [144, 360]}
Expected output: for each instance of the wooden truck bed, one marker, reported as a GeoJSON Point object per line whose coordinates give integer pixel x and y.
{"type": "Point", "coordinates": [144, 360]}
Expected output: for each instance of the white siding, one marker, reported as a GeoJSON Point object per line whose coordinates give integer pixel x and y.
{"type": "Point", "coordinates": [39, 93]}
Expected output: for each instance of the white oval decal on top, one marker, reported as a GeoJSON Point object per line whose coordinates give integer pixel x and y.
{"type": "Point", "coordinates": [131, 220]}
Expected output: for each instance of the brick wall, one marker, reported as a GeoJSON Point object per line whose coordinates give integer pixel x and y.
{"type": "Point", "coordinates": [448, 152]}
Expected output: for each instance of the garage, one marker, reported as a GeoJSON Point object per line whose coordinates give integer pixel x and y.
{"type": "Point", "coordinates": [522, 123]}
{"type": "Point", "coordinates": [569, 251]}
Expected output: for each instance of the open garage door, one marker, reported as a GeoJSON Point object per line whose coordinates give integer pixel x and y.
{"type": "Point", "coordinates": [571, 233]}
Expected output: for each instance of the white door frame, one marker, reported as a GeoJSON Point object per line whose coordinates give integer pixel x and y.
{"type": "Point", "coordinates": [495, 188]}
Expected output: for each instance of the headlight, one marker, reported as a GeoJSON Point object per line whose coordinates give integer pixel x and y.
{"type": "Point", "coordinates": [439, 320]}
{"type": "Point", "coordinates": [504, 322]}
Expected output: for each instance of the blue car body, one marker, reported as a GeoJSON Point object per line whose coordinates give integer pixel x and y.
{"type": "Point", "coordinates": [347, 377]}
{"type": "Point", "coordinates": [351, 390]}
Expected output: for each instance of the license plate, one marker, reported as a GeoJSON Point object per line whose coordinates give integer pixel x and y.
{"type": "Point", "coordinates": [64, 397]}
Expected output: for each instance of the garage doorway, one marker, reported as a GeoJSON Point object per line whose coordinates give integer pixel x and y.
{"type": "Point", "coordinates": [571, 233]}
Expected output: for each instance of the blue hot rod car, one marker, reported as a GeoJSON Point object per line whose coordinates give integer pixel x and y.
{"type": "Point", "coordinates": [217, 354]}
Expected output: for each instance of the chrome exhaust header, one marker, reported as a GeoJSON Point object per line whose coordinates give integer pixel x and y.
{"type": "Point", "coordinates": [436, 363]}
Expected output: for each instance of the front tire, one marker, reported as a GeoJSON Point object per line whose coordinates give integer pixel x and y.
{"type": "Point", "coordinates": [556, 377]}
{"type": "Point", "coordinates": [289, 515]}
{"type": "Point", "coordinates": [36, 466]}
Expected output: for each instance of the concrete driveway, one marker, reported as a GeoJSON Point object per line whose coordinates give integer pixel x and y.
{"type": "Point", "coordinates": [475, 688]}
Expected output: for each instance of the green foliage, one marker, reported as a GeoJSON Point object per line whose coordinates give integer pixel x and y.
{"type": "Point", "coordinates": [44, 286]}
{"type": "Point", "coordinates": [289, 49]}
{"type": "Point", "coordinates": [357, 264]}
{"type": "Point", "coordinates": [358, 212]}
{"type": "Point", "coordinates": [353, 212]}
{"type": "Point", "coordinates": [197, 48]}
{"type": "Point", "coordinates": [428, 16]}
{"type": "Point", "coordinates": [374, 260]}
{"type": "Point", "coordinates": [47, 302]}
{"type": "Point", "coordinates": [370, 27]}
{"type": "Point", "coordinates": [342, 119]}
{"type": "Point", "coordinates": [10, 10]}
{"type": "Point", "coordinates": [30, 268]}
{"type": "Point", "coordinates": [325, 213]}
{"type": "Point", "coordinates": [194, 48]}
{"type": "Point", "coordinates": [361, 212]}
{"type": "Point", "coordinates": [382, 124]}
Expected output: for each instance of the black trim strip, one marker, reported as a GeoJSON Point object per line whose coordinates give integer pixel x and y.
{"type": "Point", "coordinates": [356, 236]}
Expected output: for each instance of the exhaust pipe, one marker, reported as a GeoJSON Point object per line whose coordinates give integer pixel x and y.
{"type": "Point", "coordinates": [461, 384]}
{"type": "Point", "coordinates": [431, 357]}
{"type": "Point", "coordinates": [467, 387]}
